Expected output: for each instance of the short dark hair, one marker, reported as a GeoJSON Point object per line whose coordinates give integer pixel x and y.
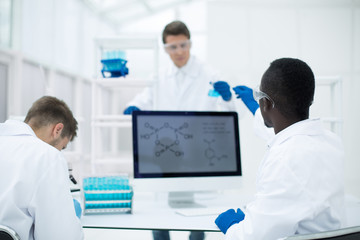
{"type": "Point", "coordinates": [175, 28]}
{"type": "Point", "coordinates": [290, 83]}
{"type": "Point", "coordinates": [50, 110]}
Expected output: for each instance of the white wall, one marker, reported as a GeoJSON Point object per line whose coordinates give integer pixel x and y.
{"type": "Point", "coordinates": [245, 36]}
{"type": "Point", "coordinates": [60, 33]}
{"type": "Point", "coordinates": [59, 36]}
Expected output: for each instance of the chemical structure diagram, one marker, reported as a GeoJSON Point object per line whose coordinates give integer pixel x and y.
{"type": "Point", "coordinates": [164, 146]}
{"type": "Point", "coordinates": [210, 153]}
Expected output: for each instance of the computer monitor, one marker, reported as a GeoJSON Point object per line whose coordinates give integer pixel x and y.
{"type": "Point", "coordinates": [183, 152]}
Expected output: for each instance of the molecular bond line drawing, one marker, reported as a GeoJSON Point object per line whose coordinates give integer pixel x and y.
{"type": "Point", "coordinates": [163, 146]}
{"type": "Point", "coordinates": [210, 153]}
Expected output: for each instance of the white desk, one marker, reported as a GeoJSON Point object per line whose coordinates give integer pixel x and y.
{"type": "Point", "coordinates": [153, 213]}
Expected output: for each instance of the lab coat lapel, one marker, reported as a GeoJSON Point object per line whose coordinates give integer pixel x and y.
{"type": "Point", "coordinates": [191, 71]}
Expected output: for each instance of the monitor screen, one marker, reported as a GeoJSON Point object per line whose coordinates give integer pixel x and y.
{"type": "Point", "coordinates": [170, 144]}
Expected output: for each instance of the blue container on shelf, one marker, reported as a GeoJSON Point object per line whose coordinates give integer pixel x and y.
{"type": "Point", "coordinates": [114, 68]}
{"type": "Point", "coordinates": [108, 194]}
{"type": "Point", "coordinates": [114, 64]}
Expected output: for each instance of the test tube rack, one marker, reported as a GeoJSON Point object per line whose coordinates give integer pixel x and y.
{"type": "Point", "coordinates": [109, 194]}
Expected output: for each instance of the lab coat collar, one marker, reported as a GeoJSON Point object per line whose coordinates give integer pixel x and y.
{"type": "Point", "coordinates": [191, 68]}
{"type": "Point", "coordinates": [15, 127]}
{"type": "Point", "coordinates": [306, 127]}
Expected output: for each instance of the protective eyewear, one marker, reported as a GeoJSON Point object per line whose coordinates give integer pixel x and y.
{"type": "Point", "coordinates": [173, 47]}
{"type": "Point", "coordinates": [259, 95]}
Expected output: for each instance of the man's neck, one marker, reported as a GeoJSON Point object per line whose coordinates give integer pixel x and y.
{"type": "Point", "coordinates": [285, 122]}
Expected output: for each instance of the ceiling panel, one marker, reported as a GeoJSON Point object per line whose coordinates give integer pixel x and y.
{"type": "Point", "coordinates": [124, 11]}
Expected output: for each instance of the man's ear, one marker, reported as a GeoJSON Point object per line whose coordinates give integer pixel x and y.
{"type": "Point", "coordinates": [267, 105]}
{"type": "Point", "coordinates": [57, 130]}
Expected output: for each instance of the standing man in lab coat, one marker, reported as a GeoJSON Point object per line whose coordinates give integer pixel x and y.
{"type": "Point", "coordinates": [185, 85]}
{"type": "Point", "coordinates": [300, 180]}
{"type": "Point", "coordinates": [35, 198]}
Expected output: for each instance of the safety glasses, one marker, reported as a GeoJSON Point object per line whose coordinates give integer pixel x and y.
{"type": "Point", "coordinates": [259, 95]}
{"type": "Point", "coordinates": [173, 47]}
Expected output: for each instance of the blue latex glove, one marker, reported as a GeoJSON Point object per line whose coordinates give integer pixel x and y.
{"type": "Point", "coordinates": [223, 89]}
{"type": "Point", "coordinates": [246, 95]}
{"type": "Point", "coordinates": [229, 218]}
{"type": "Point", "coordinates": [78, 209]}
{"type": "Point", "coordinates": [130, 109]}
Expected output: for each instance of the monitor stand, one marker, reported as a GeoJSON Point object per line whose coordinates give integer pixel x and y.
{"type": "Point", "coordinates": [183, 200]}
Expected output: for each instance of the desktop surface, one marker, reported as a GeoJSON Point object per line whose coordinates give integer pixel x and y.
{"type": "Point", "coordinates": [152, 212]}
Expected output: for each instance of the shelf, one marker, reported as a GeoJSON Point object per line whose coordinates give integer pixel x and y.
{"type": "Point", "coordinates": [112, 121]}
{"type": "Point", "coordinates": [326, 81]}
{"type": "Point", "coordinates": [128, 42]}
{"type": "Point", "coordinates": [123, 82]}
{"type": "Point", "coordinates": [114, 156]}
{"type": "Point", "coordinates": [112, 160]}
{"type": "Point", "coordinates": [112, 124]}
{"type": "Point", "coordinates": [124, 118]}
{"type": "Point", "coordinates": [107, 96]}
{"type": "Point", "coordinates": [75, 155]}
{"type": "Point", "coordinates": [118, 157]}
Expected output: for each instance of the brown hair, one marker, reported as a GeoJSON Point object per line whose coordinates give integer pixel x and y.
{"type": "Point", "coordinates": [50, 110]}
{"type": "Point", "coordinates": [175, 28]}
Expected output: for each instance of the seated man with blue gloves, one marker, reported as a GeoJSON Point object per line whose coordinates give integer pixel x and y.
{"type": "Point", "coordinates": [300, 182]}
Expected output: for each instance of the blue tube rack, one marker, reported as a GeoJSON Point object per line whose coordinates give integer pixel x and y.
{"type": "Point", "coordinates": [109, 194]}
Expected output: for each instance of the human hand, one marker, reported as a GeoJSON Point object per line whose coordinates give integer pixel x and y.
{"type": "Point", "coordinates": [223, 88]}
{"type": "Point", "coordinates": [246, 95]}
{"type": "Point", "coordinates": [130, 109]}
{"type": "Point", "coordinates": [78, 209]}
{"type": "Point", "coordinates": [229, 218]}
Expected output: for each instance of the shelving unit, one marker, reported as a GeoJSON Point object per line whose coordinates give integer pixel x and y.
{"type": "Point", "coordinates": [335, 119]}
{"type": "Point", "coordinates": [107, 119]}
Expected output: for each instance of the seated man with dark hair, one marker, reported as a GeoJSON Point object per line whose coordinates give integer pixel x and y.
{"type": "Point", "coordinates": [35, 197]}
{"type": "Point", "coordinates": [300, 180]}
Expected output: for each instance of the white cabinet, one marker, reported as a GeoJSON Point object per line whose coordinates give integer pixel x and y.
{"type": "Point", "coordinates": [111, 131]}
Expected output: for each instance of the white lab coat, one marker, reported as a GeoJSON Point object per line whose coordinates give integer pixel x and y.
{"type": "Point", "coordinates": [300, 186]}
{"type": "Point", "coordinates": [35, 198]}
{"type": "Point", "coordinates": [185, 89]}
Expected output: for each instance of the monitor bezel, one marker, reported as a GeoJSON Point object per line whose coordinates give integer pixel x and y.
{"type": "Point", "coordinates": [138, 175]}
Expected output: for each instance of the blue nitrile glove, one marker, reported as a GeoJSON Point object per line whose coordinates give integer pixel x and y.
{"type": "Point", "coordinates": [223, 89]}
{"type": "Point", "coordinates": [77, 208]}
{"type": "Point", "coordinates": [246, 95]}
{"type": "Point", "coordinates": [130, 109]}
{"type": "Point", "coordinates": [228, 218]}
